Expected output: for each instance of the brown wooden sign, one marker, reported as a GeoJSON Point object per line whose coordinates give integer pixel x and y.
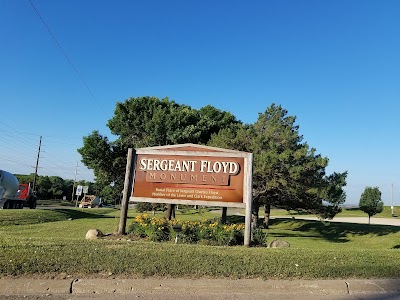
{"type": "Point", "coordinates": [189, 178]}
{"type": "Point", "coordinates": [190, 174]}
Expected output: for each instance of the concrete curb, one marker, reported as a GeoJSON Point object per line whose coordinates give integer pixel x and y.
{"type": "Point", "coordinates": [207, 285]}
{"type": "Point", "coordinates": [22, 286]}
{"type": "Point", "coordinates": [34, 286]}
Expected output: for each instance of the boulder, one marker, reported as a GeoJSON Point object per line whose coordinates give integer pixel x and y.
{"type": "Point", "coordinates": [94, 234]}
{"type": "Point", "coordinates": [279, 244]}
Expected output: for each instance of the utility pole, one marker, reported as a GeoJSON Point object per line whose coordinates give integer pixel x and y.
{"type": "Point", "coordinates": [73, 186]}
{"type": "Point", "coordinates": [36, 168]}
{"type": "Point", "coordinates": [392, 201]}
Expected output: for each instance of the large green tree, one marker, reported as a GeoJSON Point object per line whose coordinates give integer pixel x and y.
{"type": "Point", "coordinates": [371, 202]}
{"type": "Point", "coordinates": [146, 122]}
{"type": "Point", "coordinates": [287, 172]}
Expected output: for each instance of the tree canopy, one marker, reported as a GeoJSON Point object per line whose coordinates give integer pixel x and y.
{"type": "Point", "coordinates": [147, 122]}
{"type": "Point", "coordinates": [287, 172]}
{"type": "Point", "coordinates": [371, 202]}
{"type": "Point", "coordinates": [54, 187]}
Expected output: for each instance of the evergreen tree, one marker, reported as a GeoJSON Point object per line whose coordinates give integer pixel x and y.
{"type": "Point", "coordinates": [287, 172]}
{"type": "Point", "coordinates": [371, 202]}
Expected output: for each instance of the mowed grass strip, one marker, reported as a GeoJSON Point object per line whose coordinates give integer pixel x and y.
{"type": "Point", "coordinates": [153, 259]}
{"type": "Point", "coordinates": [37, 216]}
{"type": "Point", "coordinates": [57, 245]}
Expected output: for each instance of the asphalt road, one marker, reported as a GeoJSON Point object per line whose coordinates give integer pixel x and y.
{"type": "Point", "coordinates": [358, 220]}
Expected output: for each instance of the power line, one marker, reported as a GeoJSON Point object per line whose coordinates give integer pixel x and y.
{"type": "Point", "coordinates": [58, 158]}
{"type": "Point", "coordinates": [67, 57]}
{"type": "Point", "coordinates": [16, 144]}
{"type": "Point", "coordinates": [19, 132]}
{"type": "Point", "coordinates": [15, 161]}
{"type": "Point", "coordinates": [13, 141]}
{"type": "Point", "coordinates": [51, 164]}
{"type": "Point", "coordinates": [34, 139]}
{"type": "Point", "coordinates": [15, 138]}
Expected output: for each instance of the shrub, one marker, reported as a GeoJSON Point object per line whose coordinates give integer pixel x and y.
{"type": "Point", "coordinates": [210, 232]}
{"type": "Point", "coordinates": [259, 237]}
{"type": "Point", "coordinates": [153, 229]}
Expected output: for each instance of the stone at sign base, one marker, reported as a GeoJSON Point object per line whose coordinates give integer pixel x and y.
{"type": "Point", "coordinates": [94, 234]}
{"type": "Point", "coordinates": [278, 244]}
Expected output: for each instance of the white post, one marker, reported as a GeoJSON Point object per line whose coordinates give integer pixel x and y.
{"type": "Point", "coordinates": [73, 187]}
{"type": "Point", "coordinates": [392, 202]}
{"type": "Point", "coordinates": [248, 195]}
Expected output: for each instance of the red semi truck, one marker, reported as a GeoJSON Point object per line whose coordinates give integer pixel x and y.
{"type": "Point", "coordinates": [14, 194]}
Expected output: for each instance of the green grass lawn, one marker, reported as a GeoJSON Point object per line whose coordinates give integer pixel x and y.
{"type": "Point", "coordinates": [52, 243]}
{"type": "Point", "coordinates": [386, 213]}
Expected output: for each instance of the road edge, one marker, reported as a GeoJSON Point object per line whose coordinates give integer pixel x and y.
{"type": "Point", "coordinates": [24, 286]}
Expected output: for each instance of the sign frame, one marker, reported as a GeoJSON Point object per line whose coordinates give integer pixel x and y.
{"type": "Point", "coordinates": [194, 150]}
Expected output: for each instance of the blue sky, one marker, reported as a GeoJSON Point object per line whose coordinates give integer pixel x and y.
{"type": "Point", "coordinates": [333, 64]}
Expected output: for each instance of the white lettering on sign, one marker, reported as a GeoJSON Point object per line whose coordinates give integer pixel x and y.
{"type": "Point", "coordinates": [205, 166]}
{"type": "Point", "coordinates": [150, 164]}
{"type": "Point", "coordinates": [226, 167]}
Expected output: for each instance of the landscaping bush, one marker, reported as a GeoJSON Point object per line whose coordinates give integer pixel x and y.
{"type": "Point", "coordinates": [210, 232]}
{"type": "Point", "coordinates": [259, 237]}
{"type": "Point", "coordinates": [153, 229]}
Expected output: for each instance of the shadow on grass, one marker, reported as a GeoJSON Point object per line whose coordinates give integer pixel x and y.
{"type": "Point", "coordinates": [190, 212]}
{"type": "Point", "coordinates": [187, 212]}
{"type": "Point", "coordinates": [235, 219]}
{"type": "Point", "coordinates": [334, 232]}
{"type": "Point", "coordinates": [352, 209]}
{"type": "Point", "coordinates": [79, 214]}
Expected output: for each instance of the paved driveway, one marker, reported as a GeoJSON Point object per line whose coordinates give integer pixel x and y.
{"type": "Point", "coordinates": [358, 220]}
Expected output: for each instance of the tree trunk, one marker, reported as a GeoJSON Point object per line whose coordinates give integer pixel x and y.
{"type": "Point", "coordinates": [224, 214]}
{"type": "Point", "coordinates": [254, 213]}
{"type": "Point", "coordinates": [267, 214]}
{"type": "Point", "coordinates": [369, 219]}
{"type": "Point", "coordinates": [170, 212]}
